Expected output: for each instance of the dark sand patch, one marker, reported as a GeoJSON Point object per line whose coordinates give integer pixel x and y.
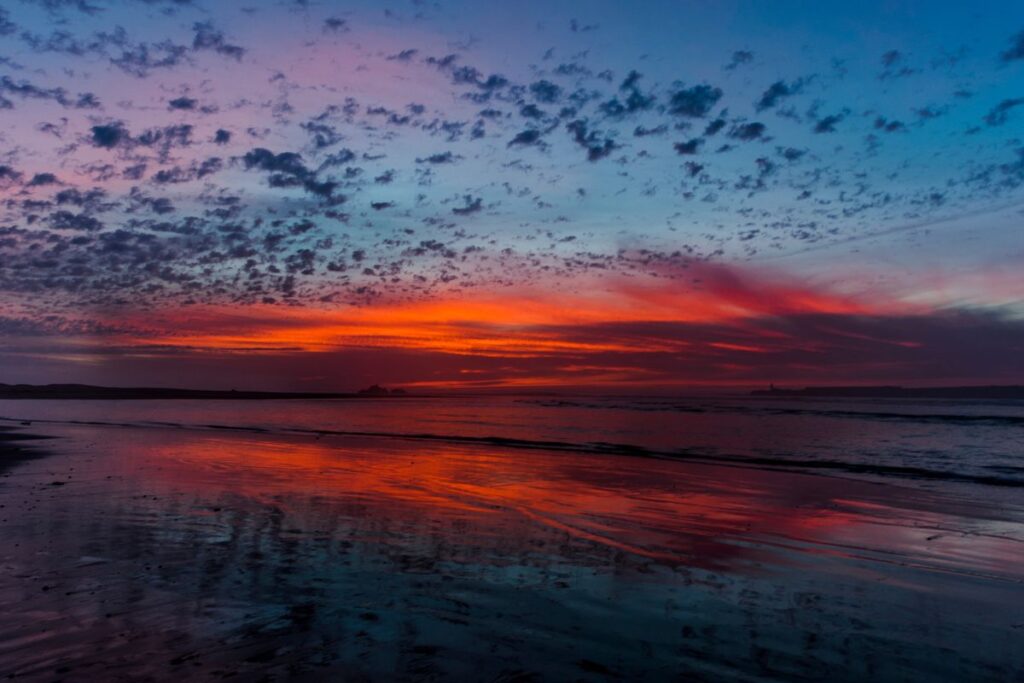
{"type": "Point", "coordinates": [17, 446]}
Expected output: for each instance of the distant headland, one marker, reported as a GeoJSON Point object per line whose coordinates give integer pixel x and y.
{"type": "Point", "coordinates": [977, 392]}
{"type": "Point", "coordinates": [89, 392]}
{"type": "Point", "coordinates": [377, 390]}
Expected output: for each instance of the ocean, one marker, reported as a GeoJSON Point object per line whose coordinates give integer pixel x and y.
{"type": "Point", "coordinates": [915, 441]}
{"type": "Point", "coordinates": [514, 538]}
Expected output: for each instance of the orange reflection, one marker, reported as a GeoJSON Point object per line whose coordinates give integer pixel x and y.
{"type": "Point", "coordinates": [521, 502]}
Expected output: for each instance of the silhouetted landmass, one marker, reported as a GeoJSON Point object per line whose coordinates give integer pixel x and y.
{"type": "Point", "coordinates": [88, 392]}
{"type": "Point", "coordinates": [983, 392]}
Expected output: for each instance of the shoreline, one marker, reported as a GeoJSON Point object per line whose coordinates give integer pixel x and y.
{"type": "Point", "coordinates": [829, 468]}
{"type": "Point", "coordinates": [1008, 392]}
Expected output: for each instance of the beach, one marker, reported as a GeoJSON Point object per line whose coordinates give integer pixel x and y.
{"type": "Point", "coordinates": [155, 552]}
{"type": "Point", "coordinates": [511, 342]}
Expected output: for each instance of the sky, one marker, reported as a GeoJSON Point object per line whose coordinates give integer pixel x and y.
{"type": "Point", "coordinates": [301, 195]}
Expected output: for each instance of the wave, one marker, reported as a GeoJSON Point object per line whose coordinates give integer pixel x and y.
{"type": "Point", "coordinates": [929, 418]}
{"type": "Point", "coordinates": [607, 448]}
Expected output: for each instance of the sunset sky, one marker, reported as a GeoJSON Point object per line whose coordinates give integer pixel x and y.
{"type": "Point", "coordinates": [475, 195]}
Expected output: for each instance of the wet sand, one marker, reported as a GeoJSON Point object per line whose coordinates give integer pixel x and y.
{"type": "Point", "coordinates": [17, 446]}
{"type": "Point", "coordinates": [180, 554]}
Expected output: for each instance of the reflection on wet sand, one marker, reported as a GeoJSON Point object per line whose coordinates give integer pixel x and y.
{"type": "Point", "coordinates": [170, 553]}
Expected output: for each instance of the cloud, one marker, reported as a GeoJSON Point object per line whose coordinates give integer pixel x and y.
{"type": "Point", "coordinates": [629, 100]}
{"type": "Point", "coordinates": [40, 179]}
{"type": "Point", "coordinates": [894, 67]}
{"type": "Point", "coordinates": [9, 176]}
{"type": "Point", "coordinates": [110, 135]}
{"type": "Point", "coordinates": [141, 59]}
{"type": "Point", "coordinates": [748, 131]}
{"type": "Point", "coordinates": [530, 136]}
{"type": "Point", "coordinates": [7, 27]}
{"type": "Point", "coordinates": [597, 146]}
{"type": "Point", "coordinates": [999, 114]}
{"type": "Point", "coordinates": [827, 124]}
{"type": "Point", "coordinates": [26, 90]}
{"type": "Point", "coordinates": [694, 102]}
{"type": "Point", "coordinates": [1016, 49]}
{"type": "Point", "coordinates": [739, 58]}
{"type": "Point", "coordinates": [336, 25]}
{"type": "Point", "coordinates": [715, 126]}
{"type": "Point", "coordinates": [182, 104]}
{"type": "Point", "coordinates": [472, 205]}
{"type": "Point", "coordinates": [791, 153]}
{"type": "Point", "coordinates": [439, 158]}
{"type": "Point", "coordinates": [778, 91]}
{"type": "Point", "coordinates": [209, 38]}
{"type": "Point", "coordinates": [404, 55]}
{"type": "Point", "coordinates": [288, 170]}
{"type": "Point", "coordinates": [55, 6]}
{"type": "Point", "coordinates": [881, 123]}
{"type": "Point", "coordinates": [688, 147]}
{"type": "Point", "coordinates": [733, 326]}
{"type": "Point", "coordinates": [66, 220]}
{"type": "Point", "coordinates": [545, 91]}
{"type": "Point", "coordinates": [288, 163]}
{"type": "Point", "coordinates": [644, 131]}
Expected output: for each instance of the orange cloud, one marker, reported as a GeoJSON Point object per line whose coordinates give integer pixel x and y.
{"type": "Point", "coordinates": [702, 325]}
{"type": "Point", "coordinates": [528, 322]}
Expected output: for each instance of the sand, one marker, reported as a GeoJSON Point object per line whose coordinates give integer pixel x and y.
{"type": "Point", "coordinates": [179, 554]}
